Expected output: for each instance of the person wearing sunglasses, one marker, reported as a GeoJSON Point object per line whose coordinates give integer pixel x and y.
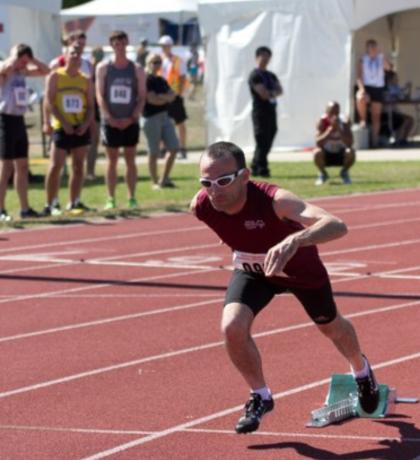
{"type": "Point", "coordinates": [157, 125]}
{"type": "Point", "coordinates": [273, 236]}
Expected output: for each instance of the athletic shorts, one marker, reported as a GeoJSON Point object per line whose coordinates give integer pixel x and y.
{"type": "Point", "coordinates": [176, 110]}
{"type": "Point", "coordinates": [256, 291]}
{"type": "Point", "coordinates": [334, 158]}
{"type": "Point", "coordinates": [70, 141]}
{"type": "Point", "coordinates": [376, 94]}
{"type": "Point", "coordinates": [13, 137]}
{"type": "Point", "coordinates": [114, 137]}
{"type": "Point", "coordinates": [158, 128]}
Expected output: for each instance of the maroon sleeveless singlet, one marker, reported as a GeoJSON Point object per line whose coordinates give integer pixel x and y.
{"type": "Point", "coordinates": [256, 228]}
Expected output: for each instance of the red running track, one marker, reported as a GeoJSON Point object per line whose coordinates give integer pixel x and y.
{"type": "Point", "coordinates": [110, 342]}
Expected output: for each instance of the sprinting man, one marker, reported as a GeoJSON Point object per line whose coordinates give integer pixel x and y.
{"type": "Point", "coordinates": [273, 235]}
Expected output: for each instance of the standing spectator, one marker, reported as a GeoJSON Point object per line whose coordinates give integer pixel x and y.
{"type": "Point", "coordinates": [174, 70]}
{"type": "Point", "coordinates": [142, 53]}
{"type": "Point", "coordinates": [371, 87]}
{"type": "Point", "coordinates": [395, 123]}
{"type": "Point", "coordinates": [265, 89]}
{"type": "Point", "coordinates": [76, 38]}
{"type": "Point", "coordinates": [193, 65]}
{"type": "Point", "coordinates": [97, 56]}
{"type": "Point", "coordinates": [334, 141]}
{"type": "Point", "coordinates": [70, 101]}
{"type": "Point", "coordinates": [14, 145]}
{"type": "Point", "coordinates": [157, 125]}
{"type": "Point", "coordinates": [121, 92]}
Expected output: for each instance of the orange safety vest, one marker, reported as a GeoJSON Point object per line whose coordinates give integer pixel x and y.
{"type": "Point", "coordinates": [174, 77]}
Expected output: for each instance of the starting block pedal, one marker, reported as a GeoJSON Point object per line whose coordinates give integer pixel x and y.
{"type": "Point", "coordinates": [342, 402]}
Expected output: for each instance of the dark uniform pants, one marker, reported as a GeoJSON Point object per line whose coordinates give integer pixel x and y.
{"type": "Point", "coordinates": [265, 129]}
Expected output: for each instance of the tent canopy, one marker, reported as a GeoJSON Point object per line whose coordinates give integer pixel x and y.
{"type": "Point", "coordinates": [131, 7]}
{"type": "Point", "coordinates": [51, 6]}
{"type": "Point", "coordinates": [139, 18]}
{"type": "Point", "coordinates": [34, 23]}
{"type": "Point", "coordinates": [312, 44]}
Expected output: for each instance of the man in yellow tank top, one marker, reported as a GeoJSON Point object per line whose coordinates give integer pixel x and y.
{"type": "Point", "coordinates": [69, 96]}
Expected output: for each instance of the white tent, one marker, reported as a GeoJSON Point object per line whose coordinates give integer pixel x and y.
{"type": "Point", "coordinates": [34, 23]}
{"type": "Point", "coordinates": [139, 18]}
{"type": "Point", "coordinates": [314, 45]}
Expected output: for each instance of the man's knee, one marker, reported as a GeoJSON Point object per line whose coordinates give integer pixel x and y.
{"type": "Point", "coordinates": [334, 329]}
{"type": "Point", "coordinates": [236, 322]}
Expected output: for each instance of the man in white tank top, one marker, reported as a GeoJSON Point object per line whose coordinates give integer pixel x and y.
{"type": "Point", "coordinates": [371, 87]}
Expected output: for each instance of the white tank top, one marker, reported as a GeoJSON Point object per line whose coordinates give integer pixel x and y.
{"type": "Point", "coordinates": [373, 71]}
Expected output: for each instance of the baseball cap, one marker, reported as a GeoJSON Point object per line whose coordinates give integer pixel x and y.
{"type": "Point", "coordinates": [166, 40]}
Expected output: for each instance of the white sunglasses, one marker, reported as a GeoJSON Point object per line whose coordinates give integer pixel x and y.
{"type": "Point", "coordinates": [222, 181]}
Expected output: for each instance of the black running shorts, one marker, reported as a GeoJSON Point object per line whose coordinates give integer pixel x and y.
{"type": "Point", "coordinates": [176, 110]}
{"type": "Point", "coordinates": [13, 137]}
{"type": "Point", "coordinates": [68, 142]}
{"type": "Point", "coordinates": [114, 137]}
{"type": "Point", "coordinates": [334, 158]}
{"type": "Point", "coordinates": [256, 291]}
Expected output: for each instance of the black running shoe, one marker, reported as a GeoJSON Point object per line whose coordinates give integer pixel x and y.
{"type": "Point", "coordinates": [255, 408]}
{"type": "Point", "coordinates": [368, 392]}
{"type": "Point", "coordinates": [28, 213]}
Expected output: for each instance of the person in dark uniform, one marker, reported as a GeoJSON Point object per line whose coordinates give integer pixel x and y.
{"type": "Point", "coordinates": [265, 89]}
{"type": "Point", "coordinates": [273, 236]}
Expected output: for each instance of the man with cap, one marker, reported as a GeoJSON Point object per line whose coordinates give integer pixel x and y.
{"type": "Point", "coordinates": [174, 70]}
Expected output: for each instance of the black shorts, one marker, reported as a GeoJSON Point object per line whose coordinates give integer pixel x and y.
{"type": "Point", "coordinates": [114, 137]}
{"type": "Point", "coordinates": [70, 141]}
{"type": "Point", "coordinates": [13, 137]}
{"type": "Point", "coordinates": [256, 291]}
{"type": "Point", "coordinates": [176, 110]}
{"type": "Point", "coordinates": [376, 94]}
{"type": "Point", "coordinates": [334, 158]}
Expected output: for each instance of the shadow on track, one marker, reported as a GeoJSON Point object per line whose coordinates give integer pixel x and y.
{"type": "Point", "coordinates": [404, 448]}
{"type": "Point", "coordinates": [98, 281]}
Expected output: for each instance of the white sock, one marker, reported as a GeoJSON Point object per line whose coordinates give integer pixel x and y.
{"type": "Point", "coordinates": [364, 372]}
{"type": "Point", "coordinates": [264, 392]}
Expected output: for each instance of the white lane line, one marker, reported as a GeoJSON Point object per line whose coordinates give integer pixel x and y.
{"type": "Point", "coordinates": [400, 277]}
{"type": "Point", "coordinates": [383, 224]}
{"type": "Point", "coordinates": [104, 285]}
{"type": "Point", "coordinates": [110, 238]}
{"type": "Point", "coordinates": [376, 207]}
{"type": "Point", "coordinates": [206, 431]}
{"type": "Point", "coordinates": [359, 195]}
{"type": "Point", "coordinates": [72, 430]}
{"type": "Point", "coordinates": [101, 322]}
{"type": "Point", "coordinates": [116, 295]}
{"type": "Point", "coordinates": [120, 258]}
{"type": "Point", "coordinates": [192, 349]}
{"type": "Point", "coordinates": [303, 435]}
{"type": "Point", "coordinates": [371, 247]}
{"type": "Point", "coordinates": [223, 413]}
{"type": "Point", "coordinates": [150, 312]}
{"type": "Point", "coordinates": [194, 228]}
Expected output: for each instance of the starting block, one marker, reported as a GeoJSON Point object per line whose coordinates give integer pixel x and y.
{"type": "Point", "coordinates": [342, 402]}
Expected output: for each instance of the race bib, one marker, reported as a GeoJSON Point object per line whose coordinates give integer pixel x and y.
{"type": "Point", "coordinates": [21, 96]}
{"type": "Point", "coordinates": [72, 103]}
{"type": "Point", "coordinates": [250, 262]}
{"type": "Point", "coordinates": [120, 94]}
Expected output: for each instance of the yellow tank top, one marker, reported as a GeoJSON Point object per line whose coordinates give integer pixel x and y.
{"type": "Point", "coordinates": [70, 98]}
